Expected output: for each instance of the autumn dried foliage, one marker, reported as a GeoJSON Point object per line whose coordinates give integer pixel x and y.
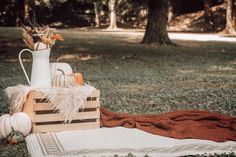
{"type": "Point", "coordinates": [39, 37]}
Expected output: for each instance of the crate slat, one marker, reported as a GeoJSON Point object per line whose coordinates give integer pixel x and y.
{"type": "Point", "coordinates": [57, 117]}
{"type": "Point", "coordinates": [46, 106]}
{"type": "Point", "coordinates": [39, 95]}
{"type": "Point", "coordinates": [45, 120]}
{"type": "Point", "coordinates": [65, 127]}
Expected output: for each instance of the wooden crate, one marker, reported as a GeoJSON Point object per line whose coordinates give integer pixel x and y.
{"type": "Point", "coordinates": [45, 119]}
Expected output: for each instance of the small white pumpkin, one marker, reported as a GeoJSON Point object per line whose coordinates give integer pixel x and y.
{"type": "Point", "coordinates": [64, 80]}
{"type": "Point", "coordinates": [66, 68]}
{"type": "Point", "coordinates": [20, 121]}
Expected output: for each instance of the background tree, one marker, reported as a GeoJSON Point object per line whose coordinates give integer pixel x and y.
{"type": "Point", "coordinates": [230, 17]}
{"type": "Point", "coordinates": [208, 18]}
{"type": "Point", "coordinates": [26, 10]}
{"type": "Point", "coordinates": [96, 12]}
{"type": "Point", "coordinates": [19, 9]}
{"type": "Point", "coordinates": [86, 13]}
{"type": "Point", "coordinates": [97, 5]}
{"type": "Point", "coordinates": [112, 10]}
{"type": "Point", "coordinates": [170, 11]}
{"type": "Point", "coordinates": [156, 31]}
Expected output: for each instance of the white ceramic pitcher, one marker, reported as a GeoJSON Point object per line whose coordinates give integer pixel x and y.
{"type": "Point", "coordinates": [40, 75]}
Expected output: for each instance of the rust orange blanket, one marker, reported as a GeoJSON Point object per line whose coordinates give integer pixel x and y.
{"type": "Point", "coordinates": [179, 124]}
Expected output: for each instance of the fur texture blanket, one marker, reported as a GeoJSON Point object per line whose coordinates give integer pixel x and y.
{"type": "Point", "coordinates": [67, 101]}
{"type": "Point", "coordinates": [179, 124]}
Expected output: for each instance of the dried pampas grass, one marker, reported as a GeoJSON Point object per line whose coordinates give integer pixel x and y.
{"type": "Point", "coordinates": [68, 101]}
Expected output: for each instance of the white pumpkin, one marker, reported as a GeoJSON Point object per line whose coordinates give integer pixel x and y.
{"type": "Point", "coordinates": [64, 80]}
{"type": "Point", "coordinates": [20, 121]}
{"type": "Point", "coordinates": [66, 68]}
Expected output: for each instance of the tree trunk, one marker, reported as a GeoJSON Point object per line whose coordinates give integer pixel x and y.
{"type": "Point", "coordinates": [230, 17]}
{"type": "Point", "coordinates": [112, 6]}
{"type": "Point", "coordinates": [170, 11]}
{"type": "Point", "coordinates": [156, 31]}
{"type": "Point", "coordinates": [209, 23]}
{"type": "Point", "coordinates": [26, 10]}
{"type": "Point", "coordinates": [97, 19]}
{"type": "Point", "coordinates": [17, 19]}
{"type": "Point", "coordinates": [18, 12]}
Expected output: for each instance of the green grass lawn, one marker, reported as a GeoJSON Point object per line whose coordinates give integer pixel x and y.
{"type": "Point", "coordinates": [135, 78]}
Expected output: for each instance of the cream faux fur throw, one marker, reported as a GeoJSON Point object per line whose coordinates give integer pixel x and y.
{"type": "Point", "coordinates": [67, 101]}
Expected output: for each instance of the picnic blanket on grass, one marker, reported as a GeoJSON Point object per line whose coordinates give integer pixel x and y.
{"type": "Point", "coordinates": [119, 141]}
{"type": "Point", "coordinates": [179, 124]}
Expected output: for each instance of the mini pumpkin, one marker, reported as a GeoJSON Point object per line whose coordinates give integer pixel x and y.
{"type": "Point", "coordinates": [78, 78]}
{"type": "Point", "coordinates": [15, 137]}
{"type": "Point", "coordinates": [19, 121]}
{"type": "Point", "coordinates": [64, 80]}
{"type": "Point", "coordinates": [63, 66]}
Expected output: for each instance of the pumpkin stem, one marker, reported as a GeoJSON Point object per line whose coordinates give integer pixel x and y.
{"type": "Point", "coordinates": [63, 73]}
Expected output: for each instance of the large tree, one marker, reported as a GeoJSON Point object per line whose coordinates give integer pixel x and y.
{"type": "Point", "coordinates": [156, 31]}
{"type": "Point", "coordinates": [230, 17]}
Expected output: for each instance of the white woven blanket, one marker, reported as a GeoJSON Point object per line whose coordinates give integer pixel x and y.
{"type": "Point", "coordinates": [119, 141]}
{"type": "Point", "coordinates": [67, 101]}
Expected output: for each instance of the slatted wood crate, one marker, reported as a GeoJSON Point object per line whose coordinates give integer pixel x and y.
{"type": "Point", "coordinates": [46, 119]}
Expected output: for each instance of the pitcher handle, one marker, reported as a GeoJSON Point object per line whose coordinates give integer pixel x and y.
{"type": "Point", "coordinates": [22, 66]}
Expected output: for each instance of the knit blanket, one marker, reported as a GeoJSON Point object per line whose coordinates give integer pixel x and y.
{"type": "Point", "coordinates": [178, 124]}
{"type": "Point", "coordinates": [67, 101]}
{"type": "Point", "coordinates": [119, 141]}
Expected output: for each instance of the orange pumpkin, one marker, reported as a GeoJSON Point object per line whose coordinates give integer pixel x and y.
{"type": "Point", "coordinates": [78, 78]}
